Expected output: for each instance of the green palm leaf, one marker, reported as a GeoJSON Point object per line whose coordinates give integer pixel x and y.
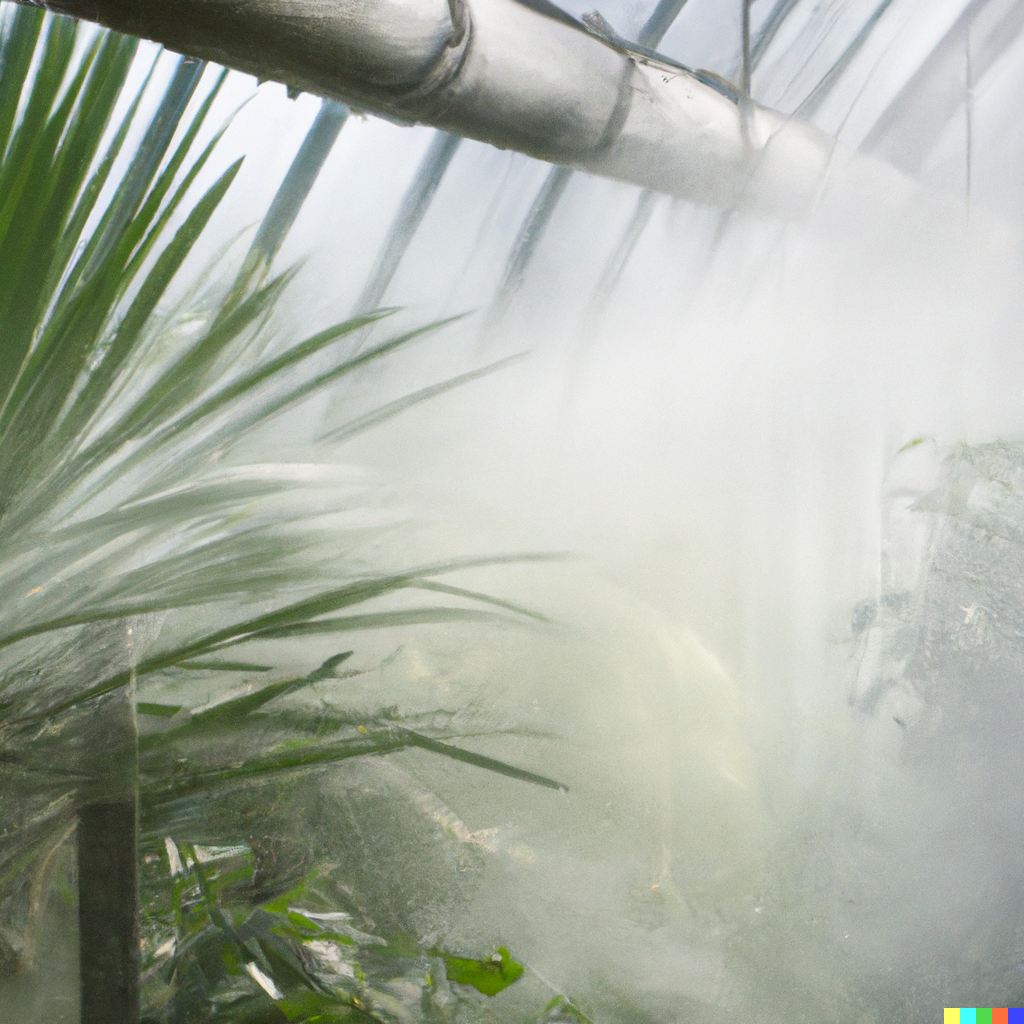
{"type": "Point", "coordinates": [114, 525]}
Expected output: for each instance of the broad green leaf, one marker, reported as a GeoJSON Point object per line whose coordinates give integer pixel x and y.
{"type": "Point", "coordinates": [489, 976]}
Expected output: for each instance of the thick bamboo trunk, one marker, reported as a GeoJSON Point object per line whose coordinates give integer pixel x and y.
{"type": "Point", "coordinates": [519, 75]}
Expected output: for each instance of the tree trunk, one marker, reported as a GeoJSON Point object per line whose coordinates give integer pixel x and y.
{"type": "Point", "coordinates": [108, 879]}
{"type": "Point", "coordinates": [520, 75]}
{"type": "Point", "coordinates": [108, 912]}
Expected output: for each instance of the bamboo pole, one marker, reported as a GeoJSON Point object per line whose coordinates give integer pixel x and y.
{"type": "Point", "coordinates": [519, 74]}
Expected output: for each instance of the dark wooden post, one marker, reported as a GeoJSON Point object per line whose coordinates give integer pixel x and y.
{"type": "Point", "coordinates": [108, 875]}
{"type": "Point", "coordinates": [108, 912]}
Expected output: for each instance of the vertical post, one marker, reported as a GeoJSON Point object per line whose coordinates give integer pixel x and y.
{"type": "Point", "coordinates": [108, 901]}
{"type": "Point", "coordinates": [108, 873]}
{"type": "Point", "coordinates": [530, 233]}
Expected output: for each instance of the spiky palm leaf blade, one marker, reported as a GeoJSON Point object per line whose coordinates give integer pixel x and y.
{"type": "Point", "coordinates": [124, 510]}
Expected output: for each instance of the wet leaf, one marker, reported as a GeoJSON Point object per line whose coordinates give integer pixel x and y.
{"type": "Point", "coordinates": [489, 976]}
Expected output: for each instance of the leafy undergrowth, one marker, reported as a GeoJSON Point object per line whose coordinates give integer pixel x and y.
{"type": "Point", "coordinates": [212, 954]}
{"type": "Point", "coordinates": [275, 912]}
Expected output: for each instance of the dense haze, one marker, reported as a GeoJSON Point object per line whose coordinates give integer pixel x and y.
{"type": "Point", "coordinates": [788, 707]}
{"type": "Point", "coordinates": [793, 752]}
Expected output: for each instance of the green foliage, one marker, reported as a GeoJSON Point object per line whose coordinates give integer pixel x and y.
{"type": "Point", "coordinates": [138, 546]}
{"type": "Point", "coordinates": [120, 495]}
{"type": "Point", "coordinates": [212, 954]}
{"type": "Point", "coordinates": [189, 757]}
{"type": "Point", "coordinates": [489, 976]}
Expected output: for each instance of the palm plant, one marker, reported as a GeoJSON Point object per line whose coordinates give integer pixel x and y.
{"type": "Point", "coordinates": [141, 549]}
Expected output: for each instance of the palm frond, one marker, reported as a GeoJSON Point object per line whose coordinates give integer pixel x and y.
{"type": "Point", "coordinates": [124, 512]}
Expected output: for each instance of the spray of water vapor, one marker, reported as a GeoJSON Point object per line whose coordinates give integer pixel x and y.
{"type": "Point", "coordinates": [786, 697]}
{"type": "Point", "coordinates": [782, 679]}
{"type": "Point", "coordinates": [764, 709]}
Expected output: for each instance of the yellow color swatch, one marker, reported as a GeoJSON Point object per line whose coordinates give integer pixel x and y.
{"type": "Point", "coordinates": [952, 1015]}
